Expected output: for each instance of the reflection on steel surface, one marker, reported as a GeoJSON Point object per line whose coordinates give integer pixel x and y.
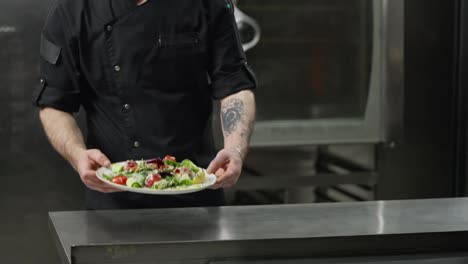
{"type": "Point", "coordinates": [380, 217]}
{"type": "Point", "coordinates": [7, 29]}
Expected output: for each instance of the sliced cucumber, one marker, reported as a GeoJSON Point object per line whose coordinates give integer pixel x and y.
{"type": "Point", "coordinates": [133, 182]}
{"type": "Point", "coordinates": [161, 184]}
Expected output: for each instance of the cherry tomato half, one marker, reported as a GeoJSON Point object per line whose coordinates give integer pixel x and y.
{"type": "Point", "coordinates": [131, 165]}
{"type": "Point", "coordinates": [169, 157]}
{"type": "Point", "coordinates": [151, 179]}
{"type": "Point", "coordinates": [122, 180]}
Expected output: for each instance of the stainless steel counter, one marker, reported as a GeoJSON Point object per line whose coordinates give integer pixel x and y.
{"type": "Point", "coordinates": [214, 235]}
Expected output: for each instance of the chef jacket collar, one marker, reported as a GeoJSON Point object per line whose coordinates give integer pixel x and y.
{"type": "Point", "coordinates": [112, 10]}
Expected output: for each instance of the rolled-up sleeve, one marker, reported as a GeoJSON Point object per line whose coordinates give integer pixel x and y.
{"type": "Point", "coordinates": [229, 70]}
{"type": "Point", "coordinates": [57, 85]}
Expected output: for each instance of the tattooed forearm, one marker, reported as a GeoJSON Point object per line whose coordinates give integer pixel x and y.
{"type": "Point", "coordinates": [247, 130]}
{"type": "Point", "coordinates": [231, 115]}
{"type": "Point", "coordinates": [237, 117]}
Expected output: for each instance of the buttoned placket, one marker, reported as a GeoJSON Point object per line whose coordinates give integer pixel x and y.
{"type": "Point", "coordinates": [117, 83]}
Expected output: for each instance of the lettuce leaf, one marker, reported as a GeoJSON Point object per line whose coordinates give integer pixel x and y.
{"type": "Point", "coordinates": [116, 168]}
{"type": "Point", "coordinates": [191, 165]}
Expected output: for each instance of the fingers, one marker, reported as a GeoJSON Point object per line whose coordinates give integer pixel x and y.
{"type": "Point", "coordinates": [227, 178]}
{"type": "Point", "coordinates": [98, 157]}
{"type": "Point", "coordinates": [227, 166]}
{"type": "Point", "coordinates": [90, 179]}
{"type": "Point", "coordinates": [219, 173]}
{"type": "Point", "coordinates": [87, 163]}
{"type": "Point", "coordinates": [215, 165]}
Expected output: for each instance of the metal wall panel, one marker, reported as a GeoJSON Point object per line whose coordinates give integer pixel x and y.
{"type": "Point", "coordinates": [423, 164]}
{"type": "Point", "coordinates": [462, 101]}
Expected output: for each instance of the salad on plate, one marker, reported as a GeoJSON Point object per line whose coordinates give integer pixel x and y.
{"type": "Point", "coordinates": [157, 174]}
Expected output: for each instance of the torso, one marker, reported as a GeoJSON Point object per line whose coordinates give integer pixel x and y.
{"type": "Point", "coordinates": [144, 71]}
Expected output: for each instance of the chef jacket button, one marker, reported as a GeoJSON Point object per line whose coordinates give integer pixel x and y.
{"type": "Point", "coordinates": [117, 68]}
{"type": "Point", "coordinates": [43, 82]}
{"type": "Point", "coordinates": [126, 107]}
{"type": "Point", "coordinates": [136, 144]}
{"type": "Point", "coordinates": [109, 28]}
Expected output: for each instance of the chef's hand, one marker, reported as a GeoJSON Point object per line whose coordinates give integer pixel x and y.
{"type": "Point", "coordinates": [227, 166]}
{"type": "Point", "coordinates": [86, 163]}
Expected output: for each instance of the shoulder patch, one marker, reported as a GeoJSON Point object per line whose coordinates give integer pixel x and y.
{"type": "Point", "coordinates": [49, 51]}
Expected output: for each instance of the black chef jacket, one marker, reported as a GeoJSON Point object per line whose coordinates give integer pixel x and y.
{"type": "Point", "coordinates": [146, 76]}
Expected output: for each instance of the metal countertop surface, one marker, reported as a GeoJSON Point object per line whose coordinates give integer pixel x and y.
{"type": "Point", "coordinates": [81, 228]}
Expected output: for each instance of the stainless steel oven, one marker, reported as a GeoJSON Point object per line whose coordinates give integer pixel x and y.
{"type": "Point", "coordinates": [329, 71]}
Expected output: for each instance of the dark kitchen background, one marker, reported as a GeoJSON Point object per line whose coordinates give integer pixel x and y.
{"type": "Point", "coordinates": [315, 62]}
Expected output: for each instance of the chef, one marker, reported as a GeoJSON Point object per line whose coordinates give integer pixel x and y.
{"type": "Point", "coordinates": [146, 73]}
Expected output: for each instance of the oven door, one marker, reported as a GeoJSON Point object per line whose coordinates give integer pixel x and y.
{"type": "Point", "coordinates": [328, 70]}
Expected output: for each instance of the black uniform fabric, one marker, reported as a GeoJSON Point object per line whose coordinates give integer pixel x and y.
{"type": "Point", "coordinates": [146, 77]}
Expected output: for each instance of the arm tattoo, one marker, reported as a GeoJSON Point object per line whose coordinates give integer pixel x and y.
{"type": "Point", "coordinates": [246, 132]}
{"type": "Point", "coordinates": [231, 114]}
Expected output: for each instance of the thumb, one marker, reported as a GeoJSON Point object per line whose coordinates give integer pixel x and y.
{"type": "Point", "coordinates": [99, 157]}
{"type": "Point", "coordinates": [216, 164]}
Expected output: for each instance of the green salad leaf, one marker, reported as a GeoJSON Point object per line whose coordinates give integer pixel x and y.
{"type": "Point", "coordinates": [190, 164]}
{"type": "Point", "coordinates": [117, 168]}
{"type": "Point", "coordinates": [108, 177]}
{"type": "Point", "coordinates": [171, 163]}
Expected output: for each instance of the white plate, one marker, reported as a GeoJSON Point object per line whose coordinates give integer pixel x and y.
{"type": "Point", "coordinates": [209, 181]}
